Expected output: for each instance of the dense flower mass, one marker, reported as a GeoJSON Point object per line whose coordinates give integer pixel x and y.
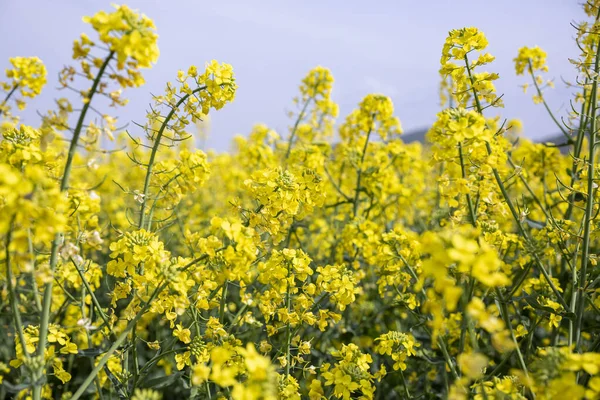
{"type": "Point", "coordinates": [533, 60]}
{"type": "Point", "coordinates": [27, 77]}
{"type": "Point", "coordinates": [327, 262]}
{"type": "Point", "coordinates": [466, 84]}
{"type": "Point", "coordinates": [126, 33]}
{"type": "Point", "coordinates": [28, 74]}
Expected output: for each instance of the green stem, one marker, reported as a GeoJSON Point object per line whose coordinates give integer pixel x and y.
{"type": "Point", "coordinates": [288, 305]}
{"type": "Point", "coordinates": [449, 362]}
{"type": "Point", "coordinates": [511, 206]}
{"type": "Point", "coordinates": [92, 295]}
{"type": "Point", "coordinates": [74, 141]}
{"type": "Point", "coordinates": [288, 352]}
{"type": "Point", "coordinates": [153, 153]}
{"type": "Point", "coordinates": [578, 145]}
{"type": "Point", "coordinates": [441, 342]}
{"type": "Point", "coordinates": [589, 206]}
{"type": "Point", "coordinates": [530, 190]}
{"type": "Point", "coordinates": [36, 291]}
{"type": "Point", "coordinates": [464, 176]}
{"type": "Point", "coordinates": [541, 96]}
{"type": "Point", "coordinates": [295, 128]}
{"type": "Point", "coordinates": [136, 363]}
{"type": "Point", "coordinates": [223, 302]}
{"type": "Point", "coordinates": [155, 147]}
{"type": "Point", "coordinates": [404, 383]}
{"type": "Point", "coordinates": [47, 300]}
{"type": "Point", "coordinates": [13, 90]}
{"type": "Point", "coordinates": [506, 317]}
{"type": "Point", "coordinates": [157, 358]}
{"type": "Point", "coordinates": [155, 201]}
{"type": "Point", "coordinates": [14, 300]}
{"type": "Point", "coordinates": [465, 323]}
{"type": "Point", "coordinates": [123, 336]}
{"type": "Point", "coordinates": [335, 185]}
{"type": "Point", "coordinates": [360, 168]}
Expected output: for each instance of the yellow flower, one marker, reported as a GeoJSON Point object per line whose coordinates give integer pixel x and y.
{"type": "Point", "coordinates": [183, 334]}
{"type": "Point", "coordinates": [200, 374]}
{"type": "Point", "coordinates": [472, 364]}
{"type": "Point", "coordinates": [28, 75]}
{"type": "Point", "coordinates": [182, 359]}
{"type": "Point", "coordinates": [69, 348]}
{"type": "Point", "coordinates": [127, 33]}
{"type": "Point", "coordinates": [530, 58]}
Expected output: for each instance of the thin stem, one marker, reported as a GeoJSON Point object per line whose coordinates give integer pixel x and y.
{"type": "Point", "coordinates": [288, 305]}
{"type": "Point", "coordinates": [36, 291]}
{"type": "Point", "coordinates": [404, 383]}
{"type": "Point", "coordinates": [464, 176]}
{"type": "Point", "coordinates": [335, 185]}
{"type": "Point", "coordinates": [360, 168]}
{"type": "Point", "coordinates": [288, 301]}
{"type": "Point", "coordinates": [155, 147]}
{"type": "Point", "coordinates": [530, 190]}
{"type": "Point", "coordinates": [449, 362]}
{"type": "Point", "coordinates": [589, 206]}
{"type": "Point", "coordinates": [541, 96]}
{"type": "Point", "coordinates": [6, 98]}
{"type": "Point", "coordinates": [74, 141]}
{"type": "Point", "coordinates": [295, 128]}
{"type": "Point", "coordinates": [14, 300]}
{"type": "Point", "coordinates": [441, 342]}
{"type": "Point", "coordinates": [123, 336]}
{"type": "Point", "coordinates": [47, 302]}
{"type": "Point", "coordinates": [92, 295]}
{"type": "Point", "coordinates": [506, 317]}
{"type": "Point", "coordinates": [511, 206]}
{"type": "Point", "coordinates": [223, 302]}
{"type": "Point", "coordinates": [153, 153]}
{"type": "Point", "coordinates": [577, 146]}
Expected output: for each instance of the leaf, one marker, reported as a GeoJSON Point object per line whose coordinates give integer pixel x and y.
{"type": "Point", "coordinates": [116, 383]}
{"type": "Point", "coordinates": [10, 388]}
{"type": "Point", "coordinates": [534, 224]}
{"type": "Point", "coordinates": [162, 381]}
{"type": "Point", "coordinates": [93, 352]}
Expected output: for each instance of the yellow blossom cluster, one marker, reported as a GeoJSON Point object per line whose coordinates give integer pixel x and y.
{"type": "Point", "coordinates": [533, 60]}
{"type": "Point", "coordinates": [459, 45]}
{"type": "Point", "coordinates": [26, 77]}
{"type": "Point", "coordinates": [126, 33]}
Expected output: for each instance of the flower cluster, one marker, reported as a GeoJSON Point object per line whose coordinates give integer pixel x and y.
{"type": "Point", "coordinates": [533, 60]}
{"type": "Point", "coordinates": [399, 346]}
{"type": "Point", "coordinates": [350, 375]}
{"type": "Point", "coordinates": [126, 33]}
{"type": "Point", "coordinates": [468, 85]}
{"type": "Point", "coordinates": [26, 77]}
{"type": "Point", "coordinates": [530, 59]}
{"type": "Point", "coordinates": [375, 114]}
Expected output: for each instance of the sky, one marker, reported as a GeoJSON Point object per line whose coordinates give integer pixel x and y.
{"type": "Point", "coordinates": [391, 47]}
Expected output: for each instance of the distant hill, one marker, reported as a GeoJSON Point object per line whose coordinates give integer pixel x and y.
{"type": "Point", "coordinates": [415, 135]}
{"type": "Point", "coordinates": [418, 135]}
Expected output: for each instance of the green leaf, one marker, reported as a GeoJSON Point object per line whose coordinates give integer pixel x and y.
{"type": "Point", "coordinates": [163, 381]}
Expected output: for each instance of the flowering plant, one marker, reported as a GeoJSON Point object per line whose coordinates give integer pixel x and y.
{"type": "Point", "coordinates": [299, 265]}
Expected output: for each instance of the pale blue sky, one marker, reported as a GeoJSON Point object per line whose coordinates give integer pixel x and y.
{"type": "Point", "coordinates": [391, 47]}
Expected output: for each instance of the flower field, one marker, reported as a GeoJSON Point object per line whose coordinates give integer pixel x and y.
{"type": "Point", "coordinates": [330, 261]}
